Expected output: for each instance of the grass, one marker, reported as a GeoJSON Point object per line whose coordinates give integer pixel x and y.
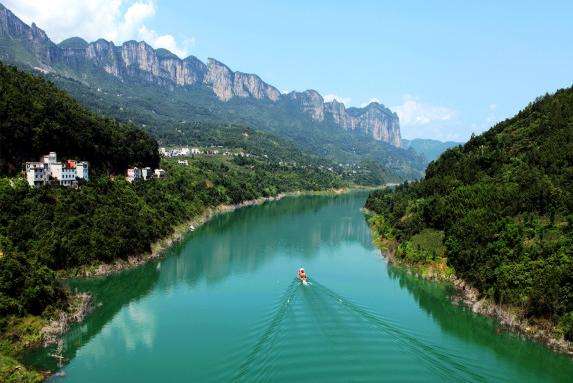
{"type": "Point", "coordinates": [18, 335]}
{"type": "Point", "coordinates": [11, 371]}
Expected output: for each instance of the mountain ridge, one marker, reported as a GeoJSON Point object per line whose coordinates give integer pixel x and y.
{"type": "Point", "coordinates": [138, 61]}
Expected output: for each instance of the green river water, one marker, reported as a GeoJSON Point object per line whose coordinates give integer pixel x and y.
{"type": "Point", "coordinates": [224, 305]}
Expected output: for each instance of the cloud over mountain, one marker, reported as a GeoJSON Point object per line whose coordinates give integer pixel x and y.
{"type": "Point", "coordinates": [115, 20]}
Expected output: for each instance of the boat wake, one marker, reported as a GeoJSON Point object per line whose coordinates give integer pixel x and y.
{"type": "Point", "coordinates": [312, 332]}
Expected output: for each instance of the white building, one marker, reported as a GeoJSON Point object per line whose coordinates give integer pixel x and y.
{"type": "Point", "coordinates": [183, 162]}
{"type": "Point", "coordinates": [49, 170]}
{"type": "Point", "coordinates": [35, 173]}
{"type": "Point", "coordinates": [146, 173]}
{"type": "Point", "coordinates": [134, 174]}
{"type": "Point", "coordinates": [184, 151]}
{"type": "Point", "coordinates": [159, 173]}
{"type": "Point", "coordinates": [137, 174]}
{"type": "Point", "coordinates": [195, 151]}
{"type": "Point", "coordinates": [83, 171]}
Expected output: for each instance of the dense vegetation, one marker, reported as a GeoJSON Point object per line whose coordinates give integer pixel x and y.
{"type": "Point", "coordinates": [173, 116]}
{"type": "Point", "coordinates": [54, 228]}
{"type": "Point", "coordinates": [36, 117]}
{"type": "Point", "coordinates": [500, 209]}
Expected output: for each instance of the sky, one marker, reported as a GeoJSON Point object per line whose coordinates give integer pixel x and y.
{"type": "Point", "coordinates": [448, 68]}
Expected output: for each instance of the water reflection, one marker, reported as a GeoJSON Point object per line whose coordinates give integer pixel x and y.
{"type": "Point", "coordinates": [110, 295]}
{"type": "Point", "coordinates": [226, 245]}
{"type": "Point", "coordinates": [472, 329]}
{"type": "Point", "coordinates": [213, 252]}
{"type": "Point", "coordinates": [198, 303]}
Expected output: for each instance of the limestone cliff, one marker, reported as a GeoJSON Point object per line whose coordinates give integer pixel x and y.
{"type": "Point", "coordinates": [137, 61]}
{"type": "Point", "coordinates": [309, 102]}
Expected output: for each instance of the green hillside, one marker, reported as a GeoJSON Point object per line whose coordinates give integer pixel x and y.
{"type": "Point", "coordinates": [500, 209]}
{"type": "Point", "coordinates": [36, 117]}
{"type": "Point", "coordinates": [54, 229]}
{"type": "Point", "coordinates": [173, 114]}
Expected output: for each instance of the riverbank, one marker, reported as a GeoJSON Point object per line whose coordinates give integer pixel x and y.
{"type": "Point", "coordinates": [36, 331]}
{"type": "Point", "coordinates": [159, 247]}
{"type": "Point", "coordinates": [510, 317]}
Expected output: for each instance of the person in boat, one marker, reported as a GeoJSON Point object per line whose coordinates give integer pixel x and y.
{"type": "Point", "coordinates": [302, 275]}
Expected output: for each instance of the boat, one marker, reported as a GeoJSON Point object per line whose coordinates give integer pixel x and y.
{"type": "Point", "coordinates": [301, 275]}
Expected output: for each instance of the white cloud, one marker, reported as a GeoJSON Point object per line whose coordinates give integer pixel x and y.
{"type": "Point", "coordinates": [331, 97]}
{"type": "Point", "coordinates": [115, 20]}
{"type": "Point", "coordinates": [425, 120]}
{"type": "Point", "coordinates": [166, 41]}
{"type": "Point", "coordinates": [413, 112]}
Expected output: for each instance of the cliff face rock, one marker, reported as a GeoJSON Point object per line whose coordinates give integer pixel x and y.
{"type": "Point", "coordinates": [220, 77]}
{"type": "Point", "coordinates": [377, 121]}
{"type": "Point", "coordinates": [136, 61]}
{"type": "Point", "coordinates": [337, 112]}
{"type": "Point", "coordinates": [374, 120]}
{"type": "Point", "coordinates": [228, 84]}
{"type": "Point", "coordinates": [309, 102]}
{"type": "Point", "coordinates": [33, 38]}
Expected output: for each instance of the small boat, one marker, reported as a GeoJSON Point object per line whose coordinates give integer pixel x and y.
{"type": "Point", "coordinates": [301, 275]}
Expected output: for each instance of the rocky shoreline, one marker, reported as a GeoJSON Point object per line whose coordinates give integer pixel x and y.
{"type": "Point", "coordinates": [80, 307]}
{"type": "Point", "coordinates": [510, 317]}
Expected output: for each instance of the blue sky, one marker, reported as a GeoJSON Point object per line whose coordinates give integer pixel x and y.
{"type": "Point", "coordinates": [449, 68]}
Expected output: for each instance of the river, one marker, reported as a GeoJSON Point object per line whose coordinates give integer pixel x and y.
{"type": "Point", "coordinates": [224, 305]}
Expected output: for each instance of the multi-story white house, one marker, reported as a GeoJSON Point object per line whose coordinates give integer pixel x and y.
{"type": "Point", "coordinates": [50, 170]}
{"type": "Point", "coordinates": [137, 174]}
{"type": "Point", "coordinates": [146, 173]}
{"type": "Point", "coordinates": [35, 173]}
{"type": "Point", "coordinates": [83, 170]}
{"type": "Point", "coordinates": [133, 174]}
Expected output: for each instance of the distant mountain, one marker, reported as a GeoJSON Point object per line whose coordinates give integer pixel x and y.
{"type": "Point", "coordinates": [168, 96]}
{"type": "Point", "coordinates": [138, 62]}
{"type": "Point", "coordinates": [430, 149]}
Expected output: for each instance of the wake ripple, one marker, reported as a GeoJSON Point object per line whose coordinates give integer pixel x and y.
{"type": "Point", "coordinates": [314, 333]}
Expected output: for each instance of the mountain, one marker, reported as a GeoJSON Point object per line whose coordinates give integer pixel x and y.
{"type": "Point", "coordinates": [500, 209]}
{"type": "Point", "coordinates": [135, 61]}
{"type": "Point", "coordinates": [167, 97]}
{"type": "Point", "coordinates": [36, 118]}
{"type": "Point", "coordinates": [430, 149]}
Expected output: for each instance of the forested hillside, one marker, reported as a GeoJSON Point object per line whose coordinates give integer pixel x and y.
{"type": "Point", "coordinates": [36, 117]}
{"type": "Point", "coordinates": [500, 209]}
{"type": "Point", "coordinates": [55, 228]}
{"type": "Point", "coordinates": [167, 97]}
{"type": "Point", "coordinates": [174, 115]}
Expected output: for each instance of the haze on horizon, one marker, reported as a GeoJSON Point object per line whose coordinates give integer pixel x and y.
{"type": "Point", "coordinates": [448, 69]}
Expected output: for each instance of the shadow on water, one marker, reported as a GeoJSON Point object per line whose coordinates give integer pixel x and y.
{"type": "Point", "coordinates": [473, 329]}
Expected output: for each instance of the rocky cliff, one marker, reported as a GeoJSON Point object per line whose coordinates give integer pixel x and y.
{"type": "Point", "coordinates": [137, 61]}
